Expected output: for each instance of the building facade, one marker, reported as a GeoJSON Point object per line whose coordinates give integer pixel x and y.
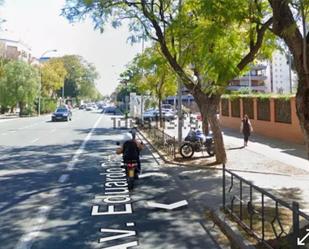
{"type": "Point", "coordinates": [252, 81]}
{"type": "Point", "coordinates": [280, 76]}
{"type": "Point", "coordinates": [15, 49]}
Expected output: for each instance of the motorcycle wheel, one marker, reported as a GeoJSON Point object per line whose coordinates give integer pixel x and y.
{"type": "Point", "coordinates": [131, 175]}
{"type": "Point", "coordinates": [130, 183]}
{"type": "Point", "coordinates": [211, 152]}
{"type": "Point", "coordinates": [186, 150]}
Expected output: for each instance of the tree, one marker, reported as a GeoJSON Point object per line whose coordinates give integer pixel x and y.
{"type": "Point", "coordinates": [53, 74]}
{"type": "Point", "coordinates": [80, 78]}
{"type": "Point", "coordinates": [289, 23]}
{"type": "Point", "coordinates": [154, 75]}
{"type": "Point", "coordinates": [180, 28]}
{"type": "Point", "coordinates": [19, 85]}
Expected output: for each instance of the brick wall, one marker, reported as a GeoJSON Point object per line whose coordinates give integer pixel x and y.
{"type": "Point", "coordinates": [284, 127]}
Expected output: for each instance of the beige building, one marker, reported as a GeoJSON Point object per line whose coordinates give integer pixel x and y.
{"type": "Point", "coordinates": [12, 48]}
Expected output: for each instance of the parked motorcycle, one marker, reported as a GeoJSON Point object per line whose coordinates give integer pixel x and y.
{"type": "Point", "coordinates": [196, 141]}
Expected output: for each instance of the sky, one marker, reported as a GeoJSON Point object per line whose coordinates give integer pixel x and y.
{"type": "Point", "coordinates": [38, 23]}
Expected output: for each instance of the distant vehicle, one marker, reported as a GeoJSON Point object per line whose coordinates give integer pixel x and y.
{"type": "Point", "coordinates": [82, 107]}
{"type": "Point", "coordinates": [168, 115]}
{"type": "Point", "coordinates": [91, 107]}
{"type": "Point", "coordinates": [153, 114]}
{"type": "Point", "coordinates": [111, 110]}
{"type": "Point", "coordinates": [167, 106]}
{"type": "Point", "coordinates": [62, 113]}
{"type": "Point", "coordinates": [150, 114]}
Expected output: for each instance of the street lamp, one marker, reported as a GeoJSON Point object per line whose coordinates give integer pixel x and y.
{"type": "Point", "coordinates": [39, 104]}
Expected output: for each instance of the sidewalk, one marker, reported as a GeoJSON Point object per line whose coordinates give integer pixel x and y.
{"type": "Point", "coordinates": [6, 117]}
{"type": "Point", "coordinates": [183, 228]}
{"type": "Point", "coordinates": [277, 166]}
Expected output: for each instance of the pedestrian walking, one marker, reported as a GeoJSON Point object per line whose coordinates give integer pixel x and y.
{"type": "Point", "coordinates": [246, 128]}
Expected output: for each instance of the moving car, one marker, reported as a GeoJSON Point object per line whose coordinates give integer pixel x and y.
{"type": "Point", "coordinates": [91, 107]}
{"type": "Point", "coordinates": [112, 110]}
{"type": "Point", "coordinates": [62, 113]}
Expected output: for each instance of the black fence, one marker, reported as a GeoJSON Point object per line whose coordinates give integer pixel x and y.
{"type": "Point", "coordinates": [273, 222]}
{"type": "Point", "coordinates": [162, 141]}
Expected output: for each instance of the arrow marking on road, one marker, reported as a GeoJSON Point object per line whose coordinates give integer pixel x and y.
{"type": "Point", "coordinates": [167, 206]}
{"type": "Point", "coordinates": [34, 140]}
{"type": "Point", "coordinates": [27, 240]}
{"type": "Point", "coordinates": [153, 174]}
{"type": "Point", "coordinates": [63, 178]}
{"type": "Point", "coordinates": [300, 242]}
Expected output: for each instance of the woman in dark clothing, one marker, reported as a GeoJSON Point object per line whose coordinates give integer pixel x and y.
{"type": "Point", "coordinates": [246, 128]}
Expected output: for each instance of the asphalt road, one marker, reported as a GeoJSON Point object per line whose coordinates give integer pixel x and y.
{"type": "Point", "coordinates": [61, 187]}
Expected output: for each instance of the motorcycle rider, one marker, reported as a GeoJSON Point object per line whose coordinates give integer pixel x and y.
{"type": "Point", "coordinates": [130, 150]}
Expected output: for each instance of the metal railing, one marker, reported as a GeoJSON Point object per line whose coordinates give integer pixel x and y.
{"type": "Point", "coordinates": [267, 218]}
{"type": "Point", "coordinates": [161, 140]}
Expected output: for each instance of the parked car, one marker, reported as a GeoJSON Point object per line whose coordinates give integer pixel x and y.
{"type": "Point", "coordinates": [150, 114]}
{"type": "Point", "coordinates": [154, 114]}
{"type": "Point", "coordinates": [168, 115]}
{"type": "Point", "coordinates": [62, 113]}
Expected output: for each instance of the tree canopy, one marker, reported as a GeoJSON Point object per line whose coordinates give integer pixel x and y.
{"type": "Point", "coordinates": [19, 85]}
{"type": "Point", "coordinates": [206, 43]}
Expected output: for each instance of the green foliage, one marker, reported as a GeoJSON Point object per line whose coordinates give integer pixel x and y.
{"type": "Point", "coordinates": [48, 105]}
{"type": "Point", "coordinates": [80, 77]}
{"type": "Point", "coordinates": [19, 84]}
{"type": "Point", "coordinates": [156, 75]}
{"type": "Point", "coordinates": [213, 36]}
{"type": "Point", "coordinates": [53, 74]}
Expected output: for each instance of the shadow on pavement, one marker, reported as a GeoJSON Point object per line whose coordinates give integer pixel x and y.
{"type": "Point", "coordinates": [293, 149]}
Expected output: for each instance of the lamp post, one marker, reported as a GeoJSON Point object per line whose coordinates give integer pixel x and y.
{"type": "Point", "coordinates": [39, 104]}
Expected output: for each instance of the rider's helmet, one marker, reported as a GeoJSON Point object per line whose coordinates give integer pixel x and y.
{"type": "Point", "coordinates": [133, 133]}
{"type": "Point", "coordinates": [127, 136]}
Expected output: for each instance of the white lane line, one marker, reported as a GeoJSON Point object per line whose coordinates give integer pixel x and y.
{"type": "Point", "coordinates": [53, 130]}
{"type": "Point", "coordinates": [63, 178]}
{"type": "Point", "coordinates": [34, 140]}
{"type": "Point", "coordinates": [27, 240]}
{"type": "Point", "coordinates": [82, 146]}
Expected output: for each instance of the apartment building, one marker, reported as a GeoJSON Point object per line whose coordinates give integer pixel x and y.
{"type": "Point", "coordinates": [280, 76]}
{"type": "Point", "coordinates": [13, 48]}
{"type": "Point", "coordinates": [252, 81]}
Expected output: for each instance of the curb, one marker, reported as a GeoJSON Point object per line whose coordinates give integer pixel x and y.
{"type": "Point", "coordinates": [162, 157]}
{"type": "Point", "coordinates": [230, 230]}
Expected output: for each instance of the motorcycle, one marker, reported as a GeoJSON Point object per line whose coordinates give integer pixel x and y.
{"type": "Point", "coordinates": [130, 167]}
{"type": "Point", "coordinates": [131, 173]}
{"type": "Point", "coordinates": [196, 141]}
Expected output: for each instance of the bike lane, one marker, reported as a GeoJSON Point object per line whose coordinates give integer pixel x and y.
{"type": "Point", "coordinates": [156, 214]}
{"type": "Point", "coordinates": [94, 209]}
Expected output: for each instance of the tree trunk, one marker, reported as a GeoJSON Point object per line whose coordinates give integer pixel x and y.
{"type": "Point", "coordinates": [160, 112]}
{"type": "Point", "coordinates": [208, 107]}
{"type": "Point", "coordinates": [21, 109]}
{"type": "Point", "coordinates": [205, 124]}
{"type": "Point", "coordinates": [302, 107]}
{"type": "Point", "coordinates": [283, 21]}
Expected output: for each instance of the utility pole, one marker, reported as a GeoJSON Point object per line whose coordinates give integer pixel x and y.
{"type": "Point", "coordinates": [179, 93]}
{"type": "Point", "coordinates": [142, 96]}
{"type": "Point", "coordinates": [290, 71]}
{"type": "Point", "coordinates": [40, 86]}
